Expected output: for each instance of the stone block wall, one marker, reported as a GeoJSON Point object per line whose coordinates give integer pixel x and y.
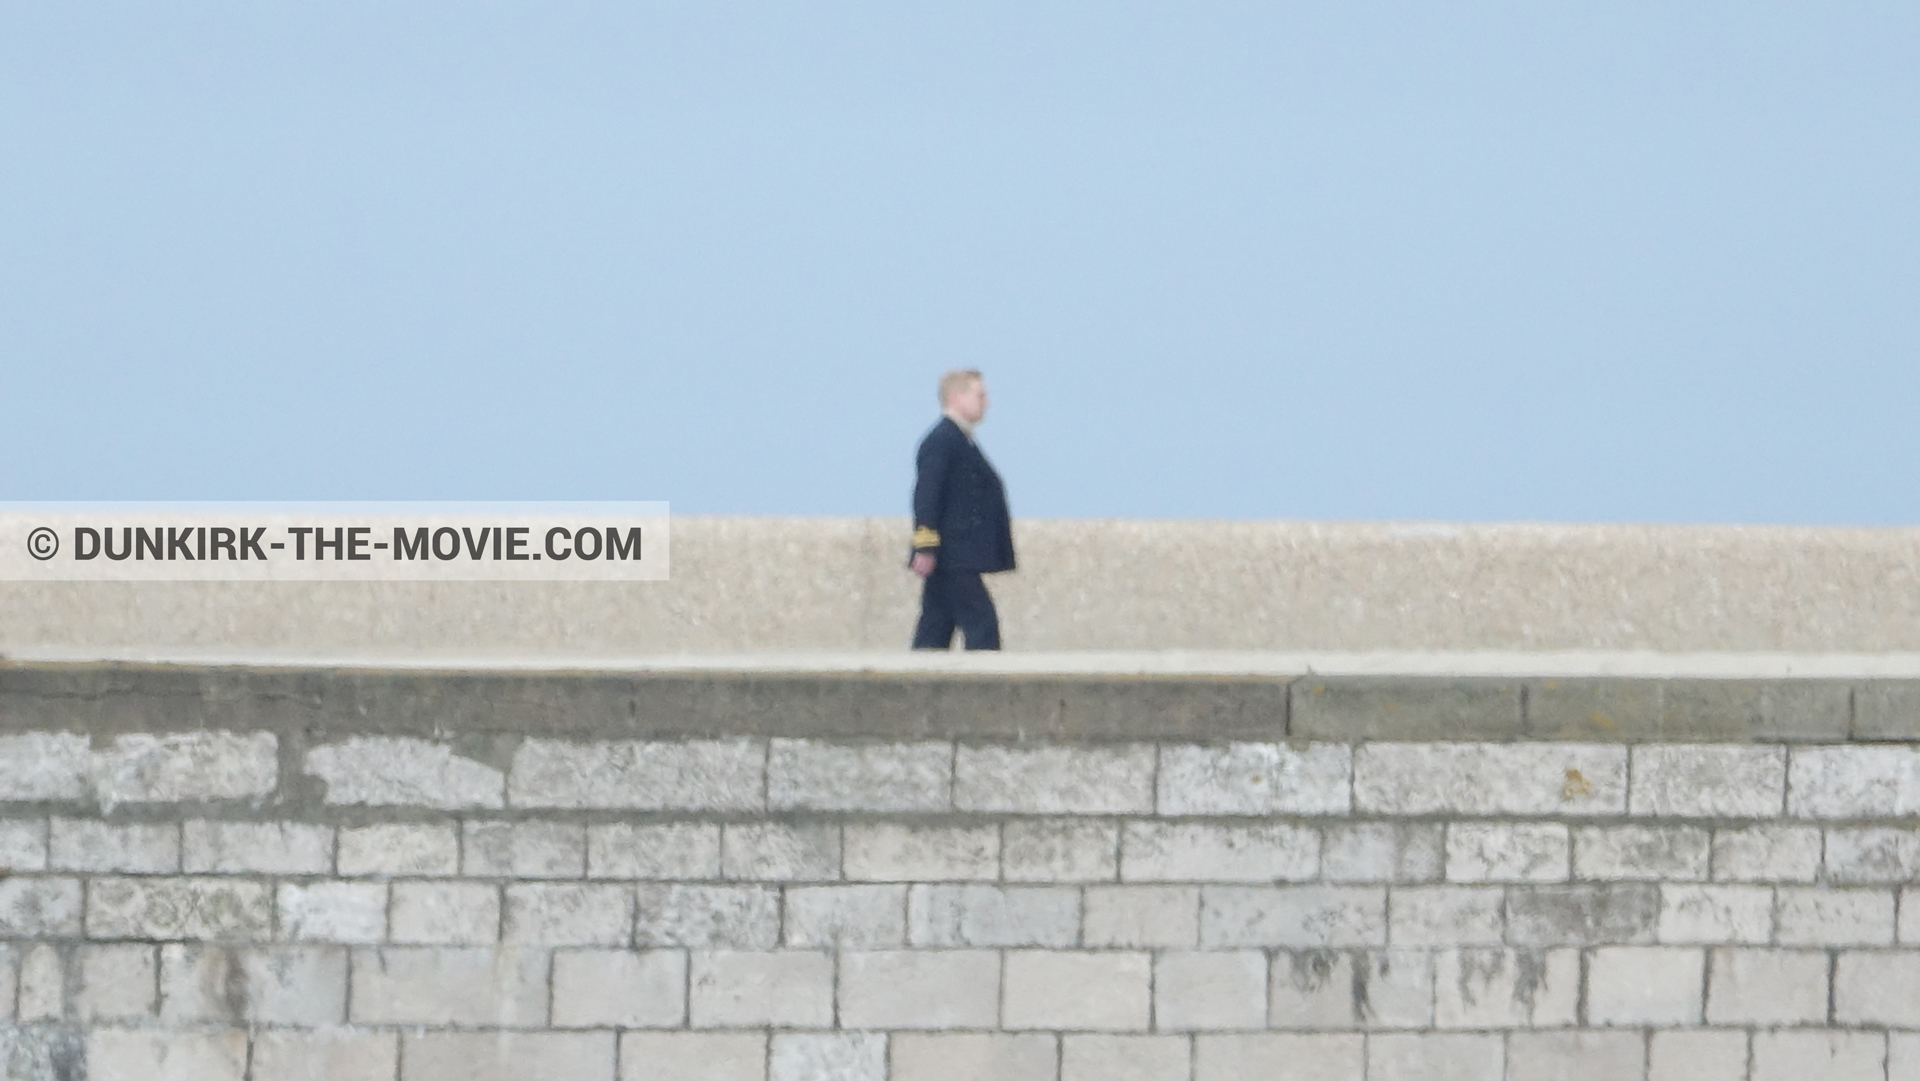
{"type": "Point", "coordinates": [330, 900]}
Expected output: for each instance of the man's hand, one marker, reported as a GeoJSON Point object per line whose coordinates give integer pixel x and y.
{"type": "Point", "coordinates": [922, 563]}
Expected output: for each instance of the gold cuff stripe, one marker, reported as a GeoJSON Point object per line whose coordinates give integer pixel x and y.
{"type": "Point", "coordinates": [926, 538]}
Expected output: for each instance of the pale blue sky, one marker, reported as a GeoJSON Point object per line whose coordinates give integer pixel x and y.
{"type": "Point", "coordinates": [1586, 261]}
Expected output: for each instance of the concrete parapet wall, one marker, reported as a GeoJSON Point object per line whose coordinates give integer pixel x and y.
{"type": "Point", "coordinates": [276, 875]}
{"type": "Point", "coordinates": [839, 584]}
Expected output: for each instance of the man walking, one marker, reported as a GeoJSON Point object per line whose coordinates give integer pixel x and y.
{"type": "Point", "coordinates": [961, 528]}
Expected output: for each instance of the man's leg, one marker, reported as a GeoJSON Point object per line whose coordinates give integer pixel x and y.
{"type": "Point", "coordinates": [972, 608]}
{"type": "Point", "coordinates": [935, 630]}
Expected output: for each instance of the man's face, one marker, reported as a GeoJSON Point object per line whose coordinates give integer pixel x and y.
{"type": "Point", "coordinates": [969, 402]}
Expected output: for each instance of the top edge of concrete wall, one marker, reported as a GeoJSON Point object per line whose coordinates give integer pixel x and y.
{"type": "Point", "coordinates": [831, 585]}
{"type": "Point", "coordinates": [486, 706]}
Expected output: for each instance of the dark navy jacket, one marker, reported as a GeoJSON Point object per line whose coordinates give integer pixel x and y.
{"type": "Point", "coordinates": [959, 506]}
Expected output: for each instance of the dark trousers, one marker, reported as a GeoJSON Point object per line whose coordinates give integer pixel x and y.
{"type": "Point", "coordinates": [952, 599]}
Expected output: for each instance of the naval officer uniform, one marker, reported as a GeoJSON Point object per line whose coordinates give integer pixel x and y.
{"type": "Point", "coordinates": [960, 518]}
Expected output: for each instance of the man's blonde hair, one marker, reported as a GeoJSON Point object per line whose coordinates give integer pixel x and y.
{"type": "Point", "coordinates": [954, 380]}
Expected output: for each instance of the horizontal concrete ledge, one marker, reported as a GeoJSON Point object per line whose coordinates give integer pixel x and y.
{"type": "Point", "coordinates": [1448, 663]}
{"type": "Point", "coordinates": [1515, 664]}
{"type": "Point", "coordinates": [958, 697]}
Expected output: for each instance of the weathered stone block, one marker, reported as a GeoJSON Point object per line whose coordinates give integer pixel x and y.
{"type": "Point", "coordinates": [1645, 985]}
{"type": "Point", "coordinates": [1378, 707]}
{"type": "Point", "coordinates": [879, 777]}
{"type": "Point", "coordinates": [1094, 992]}
{"type": "Point", "coordinates": [1766, 854]}
{"type": "Point", "coordinates": [1060, 850]}
{"type": "Point", "coordinates": [979, 915]}
{"type": "Point", "coordinates": [116, 983]}
{"type": "Point", "coordinates": [1054, 780]}
{"type": "Point", "coordinates": [1677, 853]}
{"type": "Point", "coordinates": [619, 988]}
{"type": "Point", "coordinates": [1255, 779]}
{"type": "Point", "coordinates": [858, 917]}
{"type": "Point", "coordinates": [1494, 988]}
{"type": "Point", "coordinates": [1447, 916]}
{"type": "Point", "coordinates": [883, 852]}
{"type": "Point", "coordinates": [1708, 781]}
{"type": "Point", "coordinates": [1813, 916]}
{"type": "Point", "coordinates": [1328, 1057]}
{"type": "Point", "coordinates": [180, 909]}
{"type": "Point", "coordinates": [507, 1056]}
{"type": "Point", "coordinates": [1328, 989]}
{"type": "Point", "coordinates": [187, 766]}
{"type": "Point", "coordinates": [267, 848]}
{"type": "Point", "coordinates": [349, 912]}
{"type": "Point", "coordinates": [693, 1056]}
{"type": "Point", "coordinates": [1435, 1057]}
{"type": "Point", "coordinates": [561, 914]}
{"type": "Point", "coordinates": [1122, 1058]}
{"type": "Point", "coordinates": [1588, 915]}
{"type": "Point", "coordinates": [1141, 916]}
{"type": "Point", "coordinates": [681, 850]}
{"type": "Point", "coordinates": [975, 1056]}
{"type": "Point", "coordinates": [1595, 709]}
{"type": "Point", "coordinates": [1886, 709]}
{"type": "Point", "coordinates": [500, 987]}
{"type": "Point", "coordinates": [1767, 988]}
{"type": "Point", "coordinates": [807, 1056]}
{"type": "Point", "coordinates": [393, 849]}
{"type": "Point", "coordinates": [1697, 1055]}
{"type": "Point", "coordinates": [1197, 990]}
{"type": "Point", "coordinates": [716, 917]}
{"type": "Point", "coordinates": [1575, 1056]}
{"type": "Point", "coordinates": [43, 1052]}
{"type": "Point", "coordinates": [524, 850]}
{"type": "Point", "coordinates": [79, 844]}
{"type": "Point", "coordinates": [1507, 852]}
{"type": "Point", "coordinates": [1297, 917]}
{"type": "Point", "coordinates": [1196, 852]}
{"type": "Point", "coordinates": [1854, 782]}
{"type": "Point", "coordinates": [39, 907]}
{"type": "Point", "coordinates": [9, 985]}
{"type": "Point", "coordinates": [43, 987]}
{"type": "Point", "coordinates": [23, 845]}
{"type": "Point", "coordinates": [1383, 852]}
{"type": "Point", "coordinates": [444, 914]}
{"type": "Point", "coordinates": [303, 985]}
{"type": "Point", "coordinates": [37, 766]}
{"type": "Point", "coordinates": [1489, 779]}
{"type": "Point", "coordinates": [146, 1055]}
{"type": "Point", "coordinates": [1714, 914]}
{"type": "Point", "coordinates": [698, 775]}
{"type": "Point", "coordinates": [1825, 1055]}
{"type": "Point", "coordinates": [786, 989]}
{"type": "Point", "coordinates": [1735, 710]}
{"type": "Point", "coordinates": [1903, 1056]}
{"type": "Point", "coordinates": [390, 771]}
{"type": "Point", "coordinates": [1873, 855]}
{"type": "Point", "coordinates": [1785, 709]}
{"type": "Point", "coordinates": [920, 989]}
{"type": "Point", "coordinates": [778, 852]}
{"type": "Point", "coordinates": [324, 1054]}
{"type": "Point", "coordinates": [1877, 988]}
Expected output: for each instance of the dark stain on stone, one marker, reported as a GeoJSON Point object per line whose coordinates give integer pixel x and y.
{"type": "Point", "coordinates": [233, 987]}
{"type": "Point", "coordinates": [1362, 971]}
{"type": "Point", "coordinates": [1310, 969]}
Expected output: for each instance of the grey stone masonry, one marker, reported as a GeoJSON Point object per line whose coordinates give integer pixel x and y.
{"type": "Point", "coordinates": [1392, 880]}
